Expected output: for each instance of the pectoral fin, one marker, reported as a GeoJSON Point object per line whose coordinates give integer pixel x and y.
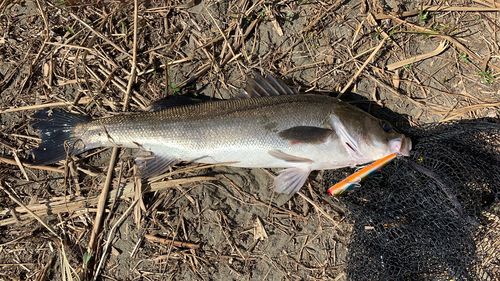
{"type": "Point", "coordinates": [152, 164]}
{"type": "Point", "coordinates": [349, 142]}
{"type": "Point", "coordinates": [291, 180]}
{"type": "Point", "coordinates": [306, 134]}
{"type": "Point", "coordinates": [287, 157]}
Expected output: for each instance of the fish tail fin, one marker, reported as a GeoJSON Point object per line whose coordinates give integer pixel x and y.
{"type": "Point", "coordinates": [55, 129]}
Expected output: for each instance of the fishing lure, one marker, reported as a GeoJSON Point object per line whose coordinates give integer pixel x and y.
{"type": "Point", "coordinates": [358, 176]}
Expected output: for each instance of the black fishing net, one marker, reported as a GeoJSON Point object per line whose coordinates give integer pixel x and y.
{"type": "Point", "coordinates": [435, 217]}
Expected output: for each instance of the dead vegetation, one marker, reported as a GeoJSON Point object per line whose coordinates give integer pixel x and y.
{"type": "Point", "coordinates": [428, 62]}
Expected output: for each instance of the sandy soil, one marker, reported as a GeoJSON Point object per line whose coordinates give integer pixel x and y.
{"type": "Point", "coordinates": [78, 56]}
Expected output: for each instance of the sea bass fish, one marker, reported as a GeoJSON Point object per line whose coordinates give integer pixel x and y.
{"type": "Point", "coordinates": [270, 126]}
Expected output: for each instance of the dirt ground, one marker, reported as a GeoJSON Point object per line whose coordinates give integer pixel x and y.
{"type": "Point", "coordinates": [227, 223]}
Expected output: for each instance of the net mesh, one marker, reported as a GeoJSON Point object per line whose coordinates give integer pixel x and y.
{"type": "Point", "coordinates": [435, 217]}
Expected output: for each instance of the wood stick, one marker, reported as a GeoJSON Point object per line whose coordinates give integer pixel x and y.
{"type": "Point", "coordinates": [29, 211]}
{"type": "Point", "coordinates": [226, 59]}
{"type": "Point", "coordinates": [442, 46]}
{"type": "Point", "coordinates": [438, 9]}
{"type": "Point", "coordinates": [447, 38]}
{"type": "Point", "coordinates": [45, 168]}
{"type": "Point", "coordinates": [38, 106]}
{"type": "Point", "coordinates": [154, 239]}
{"type": "Point", "coordinates": [99, 35]}
{"type": "Point", "coordinates": [113, 229]}
{"type": "Point", "coordinates": [109, 177]}
{"type": "Point", "coordinates": [361, 68]}
{"type": "Point", "coordinates": [102, 202]}
{"type": "Point", "coordinates": [82, 203]}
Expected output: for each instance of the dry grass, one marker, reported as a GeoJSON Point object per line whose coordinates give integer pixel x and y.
{"type": "Point", "coordinates": [104, 58]}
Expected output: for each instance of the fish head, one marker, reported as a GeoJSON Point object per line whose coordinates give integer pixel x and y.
{"type": "Point", "coordinates": [365, 137]}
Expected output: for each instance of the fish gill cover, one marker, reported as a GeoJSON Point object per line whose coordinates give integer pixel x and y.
{"type": "Point", "coordinates": [434, 218]}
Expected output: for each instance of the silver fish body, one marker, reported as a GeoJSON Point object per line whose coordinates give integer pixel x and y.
{"type": "Point", "coordinates": [297, 132]}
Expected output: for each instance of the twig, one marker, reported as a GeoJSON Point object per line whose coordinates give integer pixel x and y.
{"type": "Point", "coordinates": [446, 37]}
{"type": "Point", "coordinates": [46, 168]}
{"type": "Point", "coordinates": [464, 110]}
{"type": "Point", "coordinates": [218, 37]}
{"type": "Point", "coordinates": [112, 233]}
{"type": "Point", "coordinates": [361, 68]}
{"type": "Point", "coordinates": [70, 46]}
{"type": "Point", "coordinates": [38, 106]}
{"type": "Point", "coordinates": [226, 59]}
{"type": "Point", "coordinates": [44, 16]}
{"type": "Point", "coordinates": [276, 266]}
{"type": "Point", "coordinates": [262, 203]}
{"type": "Point", "coordinates": [302, 66]}
{"type": "Point", "coordinates": [137, 244]}
{"type": "Point", "coordinates": [109, 177]}
{"type": "Point", "coordinates": [341, 65]}
{"type": "Point", "coordinates": [442, 46]}
{"type": "Point", "coordinates": [152, 238]}
{"type": "Point", "coordinates": [134, 61]}
{"type": "Point", "coordinates": [102, 202]}
{"type": "Point", "coordinates": [28, 210]}
{"type": "Point", "coordinates": [67, 269]}
{"type": "Point", "coordinates": [319, 209]}
{"type": "Point", "coordinates": [333, 7]}
{"type": "Point", "coordinates": [99, 35]}
{"type": "Point", "coordinates": [222, 33]}
{"type": "Point", "coordinates": [82, 203]}
{"type": "Point", "coordinates": [396, 93]}
{"type": "Point", "coordinates": [20, 165]}
{"type": "Point", "coordinates": [438, 9]}
{"type": "Point", "coordinates": [181, 217]}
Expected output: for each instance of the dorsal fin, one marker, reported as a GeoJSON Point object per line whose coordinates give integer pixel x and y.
{"type": "Point", "coordinates": [263, 87]}
{"type": "Point", "coordinates": [171, 101]}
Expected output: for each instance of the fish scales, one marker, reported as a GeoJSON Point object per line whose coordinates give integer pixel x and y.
{"type": "Point", "coordinates": [270, 127]}
{"type": "Point", "coordinates": [213, 128]}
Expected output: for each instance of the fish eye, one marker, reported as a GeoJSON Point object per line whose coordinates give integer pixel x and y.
{"type": "Point", "coordinates": [385, 126]}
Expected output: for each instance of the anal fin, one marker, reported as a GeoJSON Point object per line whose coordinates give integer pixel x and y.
{"type": "Point", "coordinates": [291, 180]}
{"type": "Point", "coordinates": [152, 164]}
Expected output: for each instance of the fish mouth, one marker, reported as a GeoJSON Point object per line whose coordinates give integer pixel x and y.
{"type": "Point", "coordinates": [401, 146]}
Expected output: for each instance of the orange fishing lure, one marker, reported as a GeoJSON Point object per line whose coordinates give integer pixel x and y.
{"type": "Point", "coordinates": [360, 175]}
